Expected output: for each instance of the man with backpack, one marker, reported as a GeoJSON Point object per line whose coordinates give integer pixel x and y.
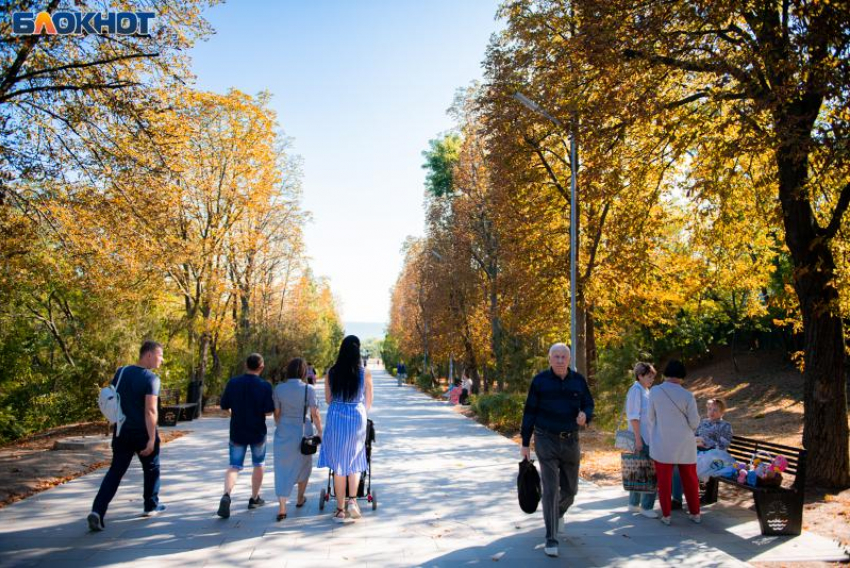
{"type": "Point", "coordinates": [135, 433]}
{"type": "Point", "coordinates": [249, 400]}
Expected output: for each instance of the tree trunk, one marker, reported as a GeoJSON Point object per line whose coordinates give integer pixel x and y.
{"type": "Point", "coordinates": [590, 346]}
{"type": "Point", "coordinates": [579, 352]}
{"type": "Point", "coordinates": [496, 342]}
{"type": "Point", "coordinates": [825, 431]}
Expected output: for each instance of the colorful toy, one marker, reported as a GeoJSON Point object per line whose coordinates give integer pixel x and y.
{"type": "Point", "coordinates": [764, 470]}
{"type": "Point", "coordinates": [779, 464]}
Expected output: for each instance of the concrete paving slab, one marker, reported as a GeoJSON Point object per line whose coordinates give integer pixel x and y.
{"type": "Point", "coordinates": [446, 497]}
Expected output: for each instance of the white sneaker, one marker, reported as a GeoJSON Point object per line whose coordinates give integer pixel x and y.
{"type": "Point", "coordinates": [634, 508]}
{"type": "Point", "coordinates": [665, 520]}
{"type": "Point", "coordinates": [695, 518]}
{"type": "Point", "coordinates": [155, 511]}
{"type": "Point", "coordinates": [551, 551]}
{"type": "Point", "coordinates": [649, 513]}
{"type": "Point", "coordinates": [354, 509]}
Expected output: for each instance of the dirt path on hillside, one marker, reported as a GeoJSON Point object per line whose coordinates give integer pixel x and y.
{"type": "Point", "coordinates": [31, 465]}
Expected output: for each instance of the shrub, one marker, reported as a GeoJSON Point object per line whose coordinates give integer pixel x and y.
{"type": "Point", "coordinates": [425, 382]}
{"type": "Point", "coordinates": [500, 411]}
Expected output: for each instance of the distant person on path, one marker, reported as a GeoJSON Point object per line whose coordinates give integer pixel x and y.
{"type": "Point", "coordinates": [558, 404]}
{"type": "Point", "coordinates": [401, 372]}
{"type": "Point", "coordinates": [311, 374]}
{"type": "Point", "coordinates": [293, 397]}
{"type": "Point", "coordinates": [673, 418]}
{"type": "Point", "coordinates": [466, 388]}
{"type": "Point", "coordinates": [712, 433]}
{"type": "Point", "coordinates": [249, 400]}
{"type": "Point", "coordinates": [139, 392]}
{"type": "Point", "coordinates": [348, 392]}
{"type": "Point", "coordinates": [637, 412]}
{"type": "Point", "coordinates": [454, 394]}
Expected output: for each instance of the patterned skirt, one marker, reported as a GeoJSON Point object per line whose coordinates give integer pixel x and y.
{"type": "Point", "coordinates": [343, 447]}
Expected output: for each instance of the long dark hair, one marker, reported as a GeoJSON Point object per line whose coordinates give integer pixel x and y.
{"type": "Point", "coordinates": [344, 376]}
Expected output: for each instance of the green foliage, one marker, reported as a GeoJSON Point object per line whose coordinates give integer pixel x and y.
{"type": "Point", "coordinates": [440, 160]}
{"type": "Point", "coordinates": [426, 383]}
{"type": "Point", "coordinates": [390, 354]}
{"type": "Point", "coordinates": [614, 378]}
{"type": "Point", "coordinates": [500, 411]}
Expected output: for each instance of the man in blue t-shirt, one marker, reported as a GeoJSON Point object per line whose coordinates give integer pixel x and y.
{"type": "Point", "coordinates": [139, 392]}
{"type": "Point", "coordinates": [249, 400]}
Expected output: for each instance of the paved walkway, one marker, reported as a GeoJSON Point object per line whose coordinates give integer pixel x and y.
{"type": "Point", "coordinates": [446, 497]}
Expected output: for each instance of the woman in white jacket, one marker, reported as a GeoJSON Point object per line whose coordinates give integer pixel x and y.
{"type": "Point", "coordinates": [673, 417]}
{"type": "Point", "coordinates": [637, 413]}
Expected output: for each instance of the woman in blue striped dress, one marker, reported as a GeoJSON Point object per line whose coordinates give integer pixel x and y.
{"type": "Point", "coordinates": [348, 392]}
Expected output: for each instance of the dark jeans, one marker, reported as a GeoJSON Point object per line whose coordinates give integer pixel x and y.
{"type": "Point", "coordinates": [124, 447]}
{"type": "Point", "coordinates": [559, 460]}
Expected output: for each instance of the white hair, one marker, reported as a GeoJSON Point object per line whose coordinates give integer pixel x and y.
{"type": "Point", "coordinates": [559, 347]}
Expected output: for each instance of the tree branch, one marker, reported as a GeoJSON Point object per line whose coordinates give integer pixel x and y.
{"type": "Point", "coordinates": [83, 87]}
{"type": "Point", "coordinates": [548, 167]}
{"type": "Point", "coordinates": [714, 66]}
{"type": "Point", "coordinates": [83, 65]}
{"type": "Point", "coordinates": [11, 74]}
{"type": "Point", "coordinates": [837, 214]}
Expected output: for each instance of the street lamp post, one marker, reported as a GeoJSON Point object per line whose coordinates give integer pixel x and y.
{"type": "Point", "coordinates": [536, 108]}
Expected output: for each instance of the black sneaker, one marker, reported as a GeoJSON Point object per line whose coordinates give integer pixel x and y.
{"type": "Point", "coordinates": [224, 507]}
{"type": "Point", "coordinates": [95, 522]}
{"type": "Point", "coordinates": [254, 503]}
{"type": "Point", "coordinates": [676, 505]}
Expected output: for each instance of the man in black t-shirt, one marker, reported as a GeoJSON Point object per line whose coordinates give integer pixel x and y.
{"type": "Point", "coordinates": [249, 400]}
{"type": "Point", "coordinates": [139, 391]}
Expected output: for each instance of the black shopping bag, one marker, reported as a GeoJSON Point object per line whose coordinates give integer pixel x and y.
{"type": "Point", "coordinates": [528, 486]}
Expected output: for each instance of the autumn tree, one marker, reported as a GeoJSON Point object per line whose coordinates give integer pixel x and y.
{"type": "Point", "coordinates": [772, 78]}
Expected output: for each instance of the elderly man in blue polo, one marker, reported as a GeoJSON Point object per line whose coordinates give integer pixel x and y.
{"type": "Point", "coordinates": [558, 404]}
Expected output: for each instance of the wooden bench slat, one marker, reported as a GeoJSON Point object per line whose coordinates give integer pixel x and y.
{"type": "Point", "coordinates": [752, 442]}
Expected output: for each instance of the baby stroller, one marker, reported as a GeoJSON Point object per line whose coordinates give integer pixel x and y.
{"type": "Point", "coordinates": [364, 490]}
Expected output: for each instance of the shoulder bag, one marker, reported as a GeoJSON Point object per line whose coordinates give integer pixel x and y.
{"type": "Point", "coordinates": [309, 444]}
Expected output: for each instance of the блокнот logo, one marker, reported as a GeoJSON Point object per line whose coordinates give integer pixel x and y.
{"type": "Point", "coordinates": [79, 23]}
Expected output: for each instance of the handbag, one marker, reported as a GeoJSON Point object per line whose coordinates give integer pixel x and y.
{"type": "Point", "coordinates": [638, 473]}
{"type": "Point", "coordinates": [309, 444]}
{"type": "Point", "coordinates": [528, 486]}
{"type": "Point", "coordinates": [624, 439]}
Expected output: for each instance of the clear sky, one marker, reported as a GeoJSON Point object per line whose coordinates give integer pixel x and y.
{"type": "Point", "coordinates": [361, 86]}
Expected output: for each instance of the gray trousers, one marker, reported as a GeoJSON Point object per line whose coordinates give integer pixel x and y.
{"type": "Point", "coordinates": [559, 460]}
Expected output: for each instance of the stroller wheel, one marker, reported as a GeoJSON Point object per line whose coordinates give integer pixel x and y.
{"type": "Point", "coordinates": [322, 500]}
{"type": "Point", "coordinates": [374, 500]}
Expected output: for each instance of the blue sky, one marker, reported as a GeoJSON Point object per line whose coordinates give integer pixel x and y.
{"type": "Point", "coordinates": [361, 86]}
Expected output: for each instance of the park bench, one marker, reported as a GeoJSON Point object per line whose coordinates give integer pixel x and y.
{"type": "Point", "coordinates": [171, 410]}
{"type": "Point", "coordinates": [779, 509]}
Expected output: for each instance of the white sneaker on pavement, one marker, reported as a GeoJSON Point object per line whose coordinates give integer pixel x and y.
{"type": "Point", "coordinates": [634, 509]}
{"type": "Point", "coordinates": [666, 520]}
{"type": "Point", "coordinates": [695, 518]}
{"type": "Point", "coordinates": [649, 513]}
{"type": "Point", "coordinates": [354, 509]}
{"type": "Point", "coordinates": [551, 551]}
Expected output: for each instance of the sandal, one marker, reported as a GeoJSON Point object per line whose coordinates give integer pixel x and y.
{"type": "Point", "coordinates": [340, 516]}
{"type": "Point", "coordinates": [301, 504]}
{"type": "Point", "coordinates": [281, 516]}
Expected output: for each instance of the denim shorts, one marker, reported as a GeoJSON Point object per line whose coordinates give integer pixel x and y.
{"type": "Point", "coordinates": [238, 451]}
